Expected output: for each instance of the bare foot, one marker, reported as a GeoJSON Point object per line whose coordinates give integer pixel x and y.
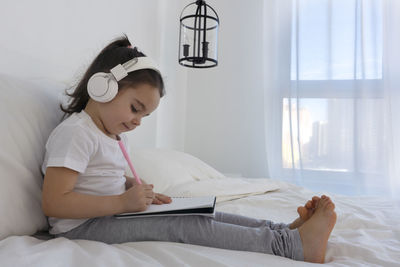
{"type": "Point", "coordinates": [305, 212]}
{"type": "Point", "coordinates": [315, 232]}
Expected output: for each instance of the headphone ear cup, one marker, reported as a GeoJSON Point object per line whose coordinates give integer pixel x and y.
{"type": "Point", "coordinates": [102, 87]}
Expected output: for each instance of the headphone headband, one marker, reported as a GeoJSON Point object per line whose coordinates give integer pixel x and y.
{"type": "Point", "coordinates": [137, 63]}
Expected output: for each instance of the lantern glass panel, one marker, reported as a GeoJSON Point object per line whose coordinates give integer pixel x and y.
{"type": "Point", "coordinates": [198, 37]}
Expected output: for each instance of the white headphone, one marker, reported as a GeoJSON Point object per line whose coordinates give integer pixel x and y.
{"type": "Point", "coordinates": [103, 87]}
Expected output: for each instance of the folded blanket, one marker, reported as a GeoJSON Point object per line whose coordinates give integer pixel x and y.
{"type": "Point", "coordinates": [224, 189]}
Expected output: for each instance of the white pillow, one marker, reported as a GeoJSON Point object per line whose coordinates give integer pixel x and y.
{"type": "Point", "coordinates": [28, 113]}
{"type": "Point", "coordinates": [165, 168]}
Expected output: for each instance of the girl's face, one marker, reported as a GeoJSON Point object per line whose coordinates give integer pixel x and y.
{"type": "Point", "coordinates": [125, 112]}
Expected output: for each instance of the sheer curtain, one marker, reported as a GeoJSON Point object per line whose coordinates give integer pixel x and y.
{"type": "Point", "coordinates": [332, 94]}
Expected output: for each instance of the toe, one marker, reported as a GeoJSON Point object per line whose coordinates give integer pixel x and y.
{"type": "Point", "coordinates": [302, 212]}
{"type": "Point", "coordinates": [330, 205]}
{"type": "Point", "coordinates": [322, 202]}
{"type": "Point", "coordinates": [299, 210]}
{"type": "Point", "coordinates": [315, 200]}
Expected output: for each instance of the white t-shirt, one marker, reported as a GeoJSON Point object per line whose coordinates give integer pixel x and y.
{"type": "Point", "coordinates": [78, 144]}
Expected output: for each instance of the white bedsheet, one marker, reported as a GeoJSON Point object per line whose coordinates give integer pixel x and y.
{"type": "Point", "coordinates": [367, 233]}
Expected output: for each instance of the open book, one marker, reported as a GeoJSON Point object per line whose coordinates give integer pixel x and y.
{"type": "Point", "coordinates": [179, 206]}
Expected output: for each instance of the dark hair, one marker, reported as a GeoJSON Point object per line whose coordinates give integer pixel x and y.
{"type": "Point", "coordinates": [117, 52]}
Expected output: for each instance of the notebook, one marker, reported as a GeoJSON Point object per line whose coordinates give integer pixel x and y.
{"type": "Point", "coordinates": [179, 206]}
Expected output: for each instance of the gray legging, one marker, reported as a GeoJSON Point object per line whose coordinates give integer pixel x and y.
{"type": "Point", "coordinates": [224, 230]}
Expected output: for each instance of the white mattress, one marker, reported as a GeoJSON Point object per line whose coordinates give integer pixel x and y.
{"type": "Point", "coordinates": [367, 233]}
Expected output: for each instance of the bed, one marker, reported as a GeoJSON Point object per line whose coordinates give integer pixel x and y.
{"type": "Point", "coordinates": [367, 231]}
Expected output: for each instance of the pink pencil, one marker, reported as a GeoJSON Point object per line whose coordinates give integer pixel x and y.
{"type": "Point", "coordinates": [126, 156]}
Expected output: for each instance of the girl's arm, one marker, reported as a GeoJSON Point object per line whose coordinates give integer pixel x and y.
{"type": "Point", "coordinates": [59, 200]}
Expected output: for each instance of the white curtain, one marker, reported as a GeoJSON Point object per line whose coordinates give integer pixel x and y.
{"type": "Point", "coordinates": [332, 94]}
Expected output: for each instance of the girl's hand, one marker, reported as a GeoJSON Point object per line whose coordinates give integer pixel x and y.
{"type": "Point", "coordinates": [161, 199]}
{"type": "Point", "coordinates": [158, 198]}
{"type": "Point", "coordinates": [137, 197]}
{"type": "Point", "coordinates": [129, 182]}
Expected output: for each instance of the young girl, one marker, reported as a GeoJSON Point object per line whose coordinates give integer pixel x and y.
{"type": "Point", "coordinates": [85, 182]}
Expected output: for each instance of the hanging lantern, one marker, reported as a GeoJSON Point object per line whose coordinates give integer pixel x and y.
{"type": "Point", "coordinates": [198, 36]}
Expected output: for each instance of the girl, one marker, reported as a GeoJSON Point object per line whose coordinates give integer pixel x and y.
{"type": "Point", "coordinates": [84, 183]}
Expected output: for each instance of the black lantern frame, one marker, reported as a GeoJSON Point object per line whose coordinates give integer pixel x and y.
{"type": "Point", "coordinates": [198, 36]}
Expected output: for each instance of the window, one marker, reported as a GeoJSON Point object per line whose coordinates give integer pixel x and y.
{"type": "Point", "coordinates": [332, 116]}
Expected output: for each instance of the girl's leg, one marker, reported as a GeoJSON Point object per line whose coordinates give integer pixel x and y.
{"type": "Point", "coordinates": [248, 221]}
{"type": "Point", "coordinates": [197, 230]}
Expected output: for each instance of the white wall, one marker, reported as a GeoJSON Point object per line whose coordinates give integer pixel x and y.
{"type": "Point", "coordinates": [224, 109]}
{"type": "Point", "coordinates": [55, 38]}
{"type": "Point", "coordinates": [171, 112]}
